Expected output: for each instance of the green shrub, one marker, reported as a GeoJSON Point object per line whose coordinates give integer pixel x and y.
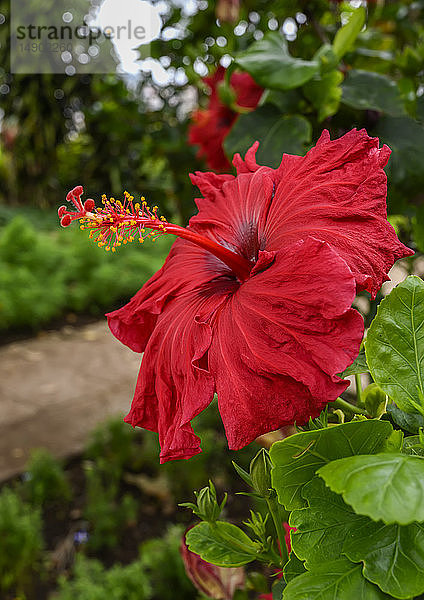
{"type": "Point", "coordinates": [115, 443]}
{"type": "Point", "coordinates": [107, 514]}
{"type": "Point", "coordinates": [45, 480]}
{"type": "Point", "coordinates": [78, 275]}
{"type": "Point", "coordinates": [92, 581]}
{"type": "Point", "coordinates": [160, 559]}
{"type": "Point", "coordinates": [20, 542]}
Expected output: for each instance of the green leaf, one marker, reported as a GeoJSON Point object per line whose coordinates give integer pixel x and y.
{"type": "Point", "coordinates": [412, 445]}
{"type": "Point", "coordinates": [297, 458]}
{"type": "Point", "coordinates": [393, 556]}
{"type": "Point", "coordinates": [323, 527]}
{"type": "Point", "coordinates": [375, 400]}
{"type": "Point", "coordinates": [358, 366]}
{"type": "Point", "coordinates": [395, 345]}
{"type": "Point", "coordinates": [324, 92]}
{"type": "Point", "coordinates": [346, 35]}
{"type": "Point", "coordinates": [277, 589]}
{"type": "Point", "coordinates": [276, 133]}
{"type": "Point", "coordinates": [289, 101]}
{"type": "Point", "coordinates": [336, 580]}
{"type": "Point", "coordinates": [269, 63]}
{"type": "Point", "coordinates": [371, 91]}
{"type": "Point", "coordinates": [386, 487]}
{"type": "Point", "coordinates": [394, 442]}
{"type": "Point", "coordinates": [418, 227]}
{"type": "Point", "coordinates": [405, 137]}
{"type": "Point", "coordinates": [293, 567]}
{"type": "Point", "coordinates": [222, 544]}
{"type": "Point", "coordinates": [410, 423]}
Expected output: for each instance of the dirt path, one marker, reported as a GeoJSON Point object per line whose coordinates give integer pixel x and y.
{"type": "Point", "coordinates": [56, 388]}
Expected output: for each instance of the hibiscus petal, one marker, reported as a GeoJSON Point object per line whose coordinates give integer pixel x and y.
{"type": "Point", "coordinates": [336, 193]}
{"type": "Point", "coordinates": [186, 267]}
{"type": "Point", "coordinates": [234, 210]}
{"type": "Point", "coordinates": [293, 329]}
{"type": "Point", "coordinates": [174, 383]}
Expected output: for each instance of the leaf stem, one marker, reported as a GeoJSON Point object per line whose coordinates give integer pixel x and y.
{"type": "Point", "coordinates": [340, 403]}
{"type": "Point", "coordinates": [279, 528]}
{"type": "Point", "coordinates": [358, 382]}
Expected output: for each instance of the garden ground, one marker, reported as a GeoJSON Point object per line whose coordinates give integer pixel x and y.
{"type": "Point", "coordinates": [56, 388]}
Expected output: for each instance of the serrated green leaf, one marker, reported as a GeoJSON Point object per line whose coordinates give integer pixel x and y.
{"type": "Point", "coordinates": [346, 35]}
{"type": "Point", "coordinates": [322, 527]}
{"type": "Point", "coordinates": [408, 422]}
{"type": "Point", "coordinates": [336, 580]}
{"type": "Point", "coordinates": [221, 544]}
{"type": "Point", "coordinates": [276, 133]}
{"type": "Point", "coordinates": [395, 344]}
{"type": "Point", "coordinates": [297, 458]}
{"type": "Point", "coordinates": [269, 63]}
{"type": "Point", "coordinates": [293, 568]}
{"type": "Point", "coordinates": [393, 556]}
{"type": "Point", "coordinates": [386, 487]}
{"type": "Point", "coordinates": [372, 91]}
{"type": "Point", "coordinates": [358, 366]}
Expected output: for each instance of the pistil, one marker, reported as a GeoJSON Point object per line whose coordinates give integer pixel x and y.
{"type": "Point", "coordinates": [118, 223]}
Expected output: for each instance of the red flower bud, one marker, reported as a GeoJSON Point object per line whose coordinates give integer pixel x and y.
{"type": "Point", "coordinates": [215, 582]}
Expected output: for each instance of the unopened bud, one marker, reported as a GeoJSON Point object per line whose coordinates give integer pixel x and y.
{"type": "Point", "coordinates": [212, 581]}
{"type": "Point", "coordinates": [260, 472]}
{"type": "Point", "coordinates": [208, 504]}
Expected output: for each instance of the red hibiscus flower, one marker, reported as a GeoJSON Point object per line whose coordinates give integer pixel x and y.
{"type": "Point", "coordinates": [210, 126]}
{"type": "Point", "coordinates": [254, 301]}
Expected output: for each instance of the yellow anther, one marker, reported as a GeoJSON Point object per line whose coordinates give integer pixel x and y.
{"type": "Point", "coordinates": [113, 249]}
{"type": "Point", "coordinates": [140, 240]}
{"type": "Point", "coordinates": [107, 248]}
